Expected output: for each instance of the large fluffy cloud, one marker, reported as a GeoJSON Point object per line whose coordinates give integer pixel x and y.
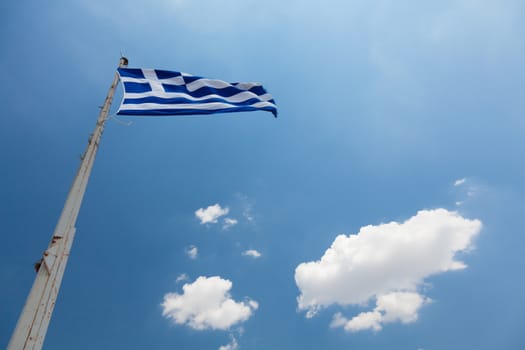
{"type": "Point", "coordinates": [207, 304]}
{"type": "Point", "coordinates": [211, 214]}
{"type": "Point", "coordinates": [385, 263]}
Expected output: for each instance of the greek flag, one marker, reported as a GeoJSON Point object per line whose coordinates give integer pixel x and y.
{"type": "Point", "coordinates": [161, 92]}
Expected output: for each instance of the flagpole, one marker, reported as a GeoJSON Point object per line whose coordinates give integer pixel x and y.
{"type": "Point", "coordinates": [34, 320]}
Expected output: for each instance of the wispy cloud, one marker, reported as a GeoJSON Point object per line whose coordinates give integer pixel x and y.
{"type": "Point", "coordinates": [252, 253]}
{"type": "Point", "coordinates": [472, 191]}
{"type": "Point", "coordinates": [352, 271]}
{"type": "Point", "coordinates": [192, 252]}
{"type": "Point", "coordinates": [207, 304]}
{"type": "Point", "coordinates": [211, 214]}
{"type": "Point", "coordinates": [460, 182]}
{"type": "Point", "coordinates": [467, 189]}
{"type": "Point", "coordinates": [181, 278]}
{"type": "Point", "coordinates": [229, 222]}
{"type": "Point", "coordinates": [232, 345]}
{"type": "Point", "coordinates": [247, 207]}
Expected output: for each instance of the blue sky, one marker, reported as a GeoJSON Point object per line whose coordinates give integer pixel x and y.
{"type": "Point", "coordinates": [383, 209]}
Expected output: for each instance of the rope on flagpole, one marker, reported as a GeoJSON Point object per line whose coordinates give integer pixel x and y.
{"type": "Point", "coordinates": [119, 121]}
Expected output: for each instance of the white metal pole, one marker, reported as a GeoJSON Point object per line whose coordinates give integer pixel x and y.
{"type": "Point", "coordinates": [33, 322]}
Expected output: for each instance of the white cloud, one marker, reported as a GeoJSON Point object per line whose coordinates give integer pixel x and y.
{"type": "Point", "coordinates": [365, 320]}
{"type": "Point", "coordinates": [207, 304]}
{"type": "Point", "coordinates": [386, 263]}
{"type": "Point", "coordinates": [247, 207]}
{"type": "Point", "coordinates": [460, 182]}
{"type": "Point", "coordinates": [247, 213]}
{"type": "Point", "coordinates": [252, 253]}
{"type": "Point", "coordinates": [211, 214]}
{"type": "Point", "coordinates": [472, 192]}
{"type": "Point", "coordinates": [181, 278]}
{"type": "Point", "coordinates": [229, 222]}
{"type": "Point", "coordinates": [392, 307]}
{"type": "Point", "coordinates": [232, 345]}
{"type": "Point", "coordinates": [192, 252]}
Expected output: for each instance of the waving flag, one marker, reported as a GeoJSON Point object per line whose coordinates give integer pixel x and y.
{"type": "Point", "coordinates": [161, 92]}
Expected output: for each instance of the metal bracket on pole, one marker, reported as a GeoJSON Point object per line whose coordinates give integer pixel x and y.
{"type": "Point", "coordinates": [34, 320]}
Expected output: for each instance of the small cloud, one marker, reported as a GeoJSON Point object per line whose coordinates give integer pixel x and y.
{"type": "Point", "coordinates": [229, 222]}
{"type": "Point", "coordinates": [207, 304]}
{"type": "Point", "coordinates": [181, 278]}
{"type": "Point", "coordinates": [252, 253]}
{"type": "Point", "coordinates": [391, 307]}
{"type": "Point", "coordinates": [460, 182]}
{"type": "Point", "coordinates": [468, 189]}
{"type": "Point", "coordinates": [192, 252]}
{"type": "Point", "coordinates": [211, 214]}
{"type": "Point", "coordinates": [247, 207]}
{"type": "Point", "coordinates": [312, 311]}
{"type": "Point", "coordinates": [232, 345]}
{"type": "Point", "coordinates": [247, 213]}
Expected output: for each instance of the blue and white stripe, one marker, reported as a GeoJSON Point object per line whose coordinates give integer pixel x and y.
{"type": "Point", "coordinates": [160, 92]}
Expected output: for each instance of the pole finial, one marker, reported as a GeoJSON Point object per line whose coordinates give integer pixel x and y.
{"type": "Point", "coordinates": [123, 61]}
